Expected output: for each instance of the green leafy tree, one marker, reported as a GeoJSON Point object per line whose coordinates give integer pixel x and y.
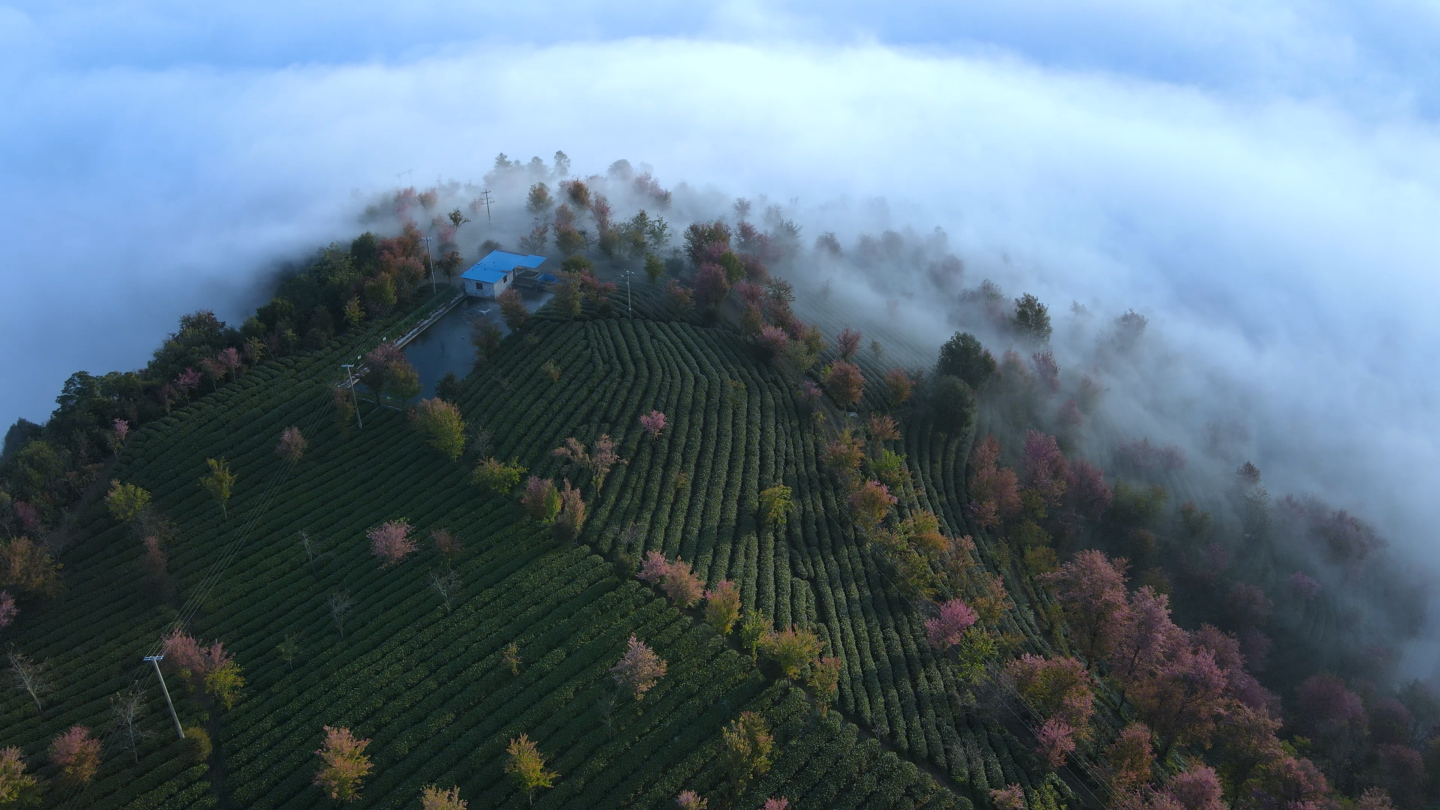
{"type": "Point", "coordinates": [753, 630]}
{"type": "Point", "coordinates": [486, 338]}
{"type": "Point", "coordinates": [824, 678]}
{"type": "Point", "coordinates": [775, 503]}
{"type": "Point", "coordinates": [526, 766]}
{"type": "Point", "coordinates": [953, 401]}
{"type": "Point", "coordinates": [197, 742]}
{"type": "Point", "coordinates": [962, 356]}
{"type": "Point", "coordinates": [1031, 317]}
{"type": "Point", "coordinates": [498, 475]}
{"type": "Point", "coordinates": [870, 504]}
{"type": "Point", "coordinates": [16, 786]}
{"type": "Point", "coordinates": [722, 606]}
{"type": "Point", "coordinates": [220, 483]}
{"type": "Point", "coordinates": [30, 568]}
{"type": "Point", "coordinates": [539, 201]}
{"type": "Point", "coordinates": [747, 748]}
{"type": "Point", "coordinates": [126, 501]}
{"type": "Point", "coordinates": [448, 388]}
{"type": "Point", "coordinates": [225, 683]}
{"type": "Point", "coordinates": [654, 268]}
{"type": "Point", "coordinates": [512, 308]}
{"type": "Point", "coordinates": [792, 649]}
{"type": "Point", "coordinates": [441, 425]}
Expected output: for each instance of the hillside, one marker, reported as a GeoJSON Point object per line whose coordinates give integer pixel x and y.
{"type": "Point", "coordinates": [429, 688]}
{"type": "Point", "coordinates": [720, 547]}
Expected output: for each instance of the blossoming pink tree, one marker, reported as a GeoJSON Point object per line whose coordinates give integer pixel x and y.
{"type": "Point", "coordinates": [121, 429]}
{"type": "Point", "coordinates": [390, 541]}
{"type": "Point", "coordinates": [653, 423]}
{"type": "Point", "coordinates": [639, 669]}
{"type": "Point", "coordinates": [945, 630]}
{"type": "Point", "coordinates": [292, 444]}
{"type": "Point", "coordinates": [230, 359]}
{"type": "Point", "coordinates": [77, 754]}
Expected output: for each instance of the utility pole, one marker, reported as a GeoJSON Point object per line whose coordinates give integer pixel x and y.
{"type": "Point", "coordinates": [629, 304]}
{"type": "Point", "coordinates": [485, 197]}
{"type": "Point", "coordinates": [156, 659]}
{"type": "Point", "coordinates": [430, 260]}
{"type": "Point", "coordinates": [355, 398]}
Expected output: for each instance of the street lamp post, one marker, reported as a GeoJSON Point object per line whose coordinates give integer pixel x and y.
{"type": "Point", "coordinates": [431, 261]}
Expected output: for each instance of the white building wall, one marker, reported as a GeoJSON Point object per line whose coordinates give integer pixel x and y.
{"type": "Point", "coordinates": [487, 290]}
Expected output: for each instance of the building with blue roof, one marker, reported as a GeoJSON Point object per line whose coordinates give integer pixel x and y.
{"type": "Point", "coordinates": [495, 273]}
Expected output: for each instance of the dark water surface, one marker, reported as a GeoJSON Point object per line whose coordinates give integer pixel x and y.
{"type": "Point", "coordinates": [445, 346]}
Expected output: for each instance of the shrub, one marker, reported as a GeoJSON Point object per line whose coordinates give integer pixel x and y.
{"type": "Point", "coordinates": [197, 742]}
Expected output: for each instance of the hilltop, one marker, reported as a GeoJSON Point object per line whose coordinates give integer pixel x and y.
{"type": "Point", "coordinates": [941, 601]}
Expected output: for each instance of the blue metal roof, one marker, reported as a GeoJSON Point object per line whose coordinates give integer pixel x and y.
{"type": "Point", "coordinates": [497, 264]}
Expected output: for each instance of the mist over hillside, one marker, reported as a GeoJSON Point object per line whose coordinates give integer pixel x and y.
{"type": "Point", "coordinates": [1267, 207]}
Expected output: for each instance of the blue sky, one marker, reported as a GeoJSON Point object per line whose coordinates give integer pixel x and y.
{"type": "Point", "coordinates": [1262, 179]}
